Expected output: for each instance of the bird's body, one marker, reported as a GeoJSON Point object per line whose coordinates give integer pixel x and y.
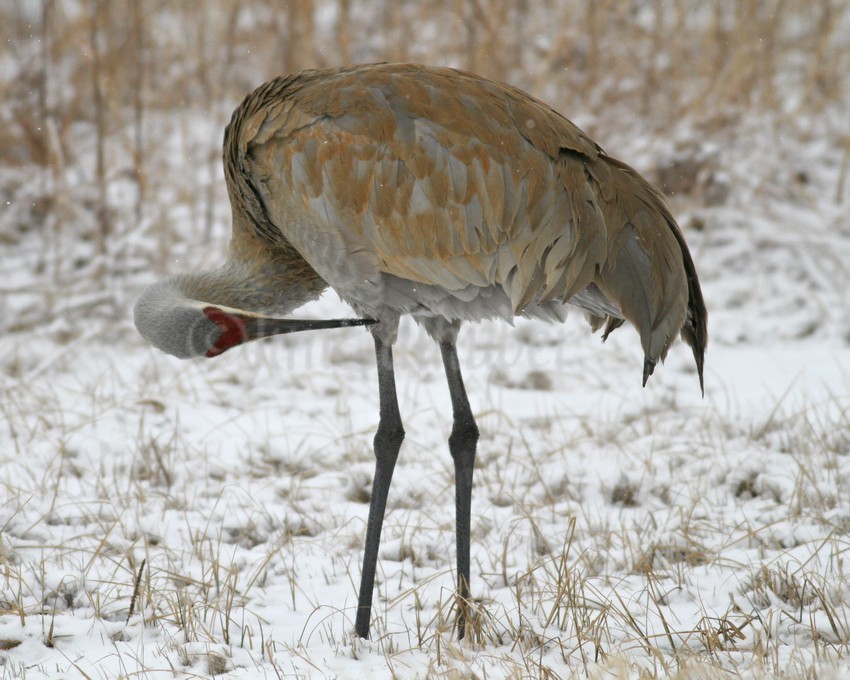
{"type": "Point", "coordinates": [436, 194]}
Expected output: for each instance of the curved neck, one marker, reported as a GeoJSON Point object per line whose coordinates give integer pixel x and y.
{"type": "Point", "coordinates": [264, 291]}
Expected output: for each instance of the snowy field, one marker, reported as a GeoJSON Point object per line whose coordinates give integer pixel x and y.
{"type": "Point", "coordinates": [167, 519]}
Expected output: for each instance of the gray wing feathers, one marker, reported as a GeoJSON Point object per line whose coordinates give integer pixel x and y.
{"type": "Point", "coordinates": [649, 272]}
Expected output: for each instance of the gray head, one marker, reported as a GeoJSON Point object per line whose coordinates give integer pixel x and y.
{"type": "Point", "coordinates": [172, 322]}
{"type": "Point", "coordinates": [184, 327]}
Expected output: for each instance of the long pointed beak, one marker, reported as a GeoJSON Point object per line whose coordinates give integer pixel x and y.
{"type": "Point", "coordinates": [263, 327]}
{"type": "Point", "coordinates": [240, 327]}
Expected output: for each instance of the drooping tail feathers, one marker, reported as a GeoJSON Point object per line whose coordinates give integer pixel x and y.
{"type": "Point", "coordinates": [649, 271]}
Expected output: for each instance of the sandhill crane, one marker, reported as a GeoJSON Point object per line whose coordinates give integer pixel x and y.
{"type": "Point", "coordinates": [441, 195]}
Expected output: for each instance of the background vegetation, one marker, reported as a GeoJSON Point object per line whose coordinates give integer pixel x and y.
{"type": "Point", "coordinates": [113, 110]}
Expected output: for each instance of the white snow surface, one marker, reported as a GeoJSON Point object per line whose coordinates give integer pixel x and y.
{"type": "Point", "coordinates": [615, 529]}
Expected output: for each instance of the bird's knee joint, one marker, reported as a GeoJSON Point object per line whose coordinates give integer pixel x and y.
{"type": "Point", "coordinates": [464, 435]}
{"type": "Point", "coordinates": [389, 438]}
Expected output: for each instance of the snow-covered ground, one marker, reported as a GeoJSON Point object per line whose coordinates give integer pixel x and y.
{"type": "Point", "coordinates": [612, 524]}
{"type": "Point", "coordinates": [165, 519]}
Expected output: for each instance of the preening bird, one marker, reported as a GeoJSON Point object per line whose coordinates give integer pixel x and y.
{"type": "Point", "coordinates": [433, 193]}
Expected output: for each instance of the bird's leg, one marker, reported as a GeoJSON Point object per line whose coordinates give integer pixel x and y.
{"type": "Point", "coordinates": [462, 443]}
{"type": "Point", "coordinates": [387, 443]}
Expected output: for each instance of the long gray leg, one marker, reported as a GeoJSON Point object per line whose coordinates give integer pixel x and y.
{"type": "Point", "coordinates": [462, 443]}
{"type": "Point", "coordinates": [387, 443]}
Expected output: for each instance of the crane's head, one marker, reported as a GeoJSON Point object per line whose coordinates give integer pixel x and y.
{"type": "Point", "coordinates": [187, 328]}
